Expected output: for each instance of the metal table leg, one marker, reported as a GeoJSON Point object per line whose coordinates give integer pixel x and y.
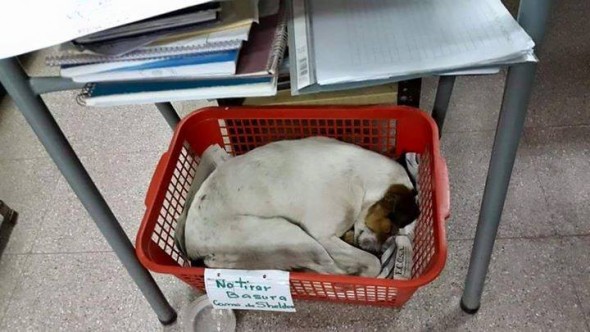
{"type": "Point", "coordinates": [169, 114]}
{"type": "Point", "coordinates": [532, 16]}
{"type": "Point", "coordinates": [8, 215]}
{"type": "Point", "coordinates": [408, 92]}
{"type": "Point", "coordinates": [444, 91]}
{"type": "Point", "coordinates": [16, 82]}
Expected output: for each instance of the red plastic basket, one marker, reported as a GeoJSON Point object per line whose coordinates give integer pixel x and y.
{"type": "Point", "coordinates": [390, 130]}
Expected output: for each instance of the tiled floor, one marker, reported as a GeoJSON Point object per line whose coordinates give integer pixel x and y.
{"type": "Point", "coordinates": [58, 273]}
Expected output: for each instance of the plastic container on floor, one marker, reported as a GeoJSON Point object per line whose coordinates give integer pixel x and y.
{"type": "Point", "coordinates": [389, 130]}
{"type": "Point", "coordinates": [201, 316]}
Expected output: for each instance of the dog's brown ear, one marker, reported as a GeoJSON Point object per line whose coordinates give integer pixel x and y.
{"type": "Point", "coordinates": [396, 192]}
{"type": "Point", "coordinates": [401, 202]}
{"type": "Point", "coordinates": [395, 210]}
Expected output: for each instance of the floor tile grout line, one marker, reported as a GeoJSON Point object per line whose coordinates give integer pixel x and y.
{"type": "Point", "coordinates": [80, 156]}
{"type": "Point", "coordinates": [484, 130]}
{"type": "Point", "coordinates": [22, 278]}
{"type": "Point", "coordinates": [559, 126]}
{"type": "Point", "coordinates": [4, 160]}
{"type": "Point", "coordinates": [579, 300]}
{"type": "Point", "coordinates": [570, 275]}
{"type": "Point", "coordinates": [466, 131]}
{"type": "Point", "coordinates": [60, 253]}
{"type": "Point", "coordinates": [134, 152]}
{"type": "Point", "coordinates": [528, 237]}
{"type": "Point", "coordinates": [106, 251]}
{"type": "Point", "coordinates": [537, 174]}
{"type": "Point", "coordinates": [46, 211]}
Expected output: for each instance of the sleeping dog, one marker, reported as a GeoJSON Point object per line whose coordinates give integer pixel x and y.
{"type": "Point", "coordinates": [286, 205]}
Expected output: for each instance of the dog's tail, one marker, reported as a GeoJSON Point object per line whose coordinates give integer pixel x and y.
{"type": "Point", "coordinates": [179, 239]}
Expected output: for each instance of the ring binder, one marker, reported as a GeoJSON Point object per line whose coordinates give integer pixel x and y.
{"type": "Point", "coordinates": [280, 42]}
{"type": "Point", "coordinates": [154, 53]}
{"type": "Point", "coordinates": [86, 92]}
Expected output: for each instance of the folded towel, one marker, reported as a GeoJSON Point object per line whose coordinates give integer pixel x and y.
{"type": "Point", "coordinates": [388, 258]}
{"type": "Point", "coordinates": [408, 231]}
{"type": "Point", "coordinates": [396, 261]}
{"type": "Point", "coordinates": [412, 163]}
{"type": "Point", "coordinates": [403, 259]}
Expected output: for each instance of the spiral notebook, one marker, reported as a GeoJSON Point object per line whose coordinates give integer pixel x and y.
{"type": "Point", "coordinates": [200, 65]}
{"type": "Point", "coordinates": [142, 54]}
{"type": "Point", "coordinates": [147, 92]}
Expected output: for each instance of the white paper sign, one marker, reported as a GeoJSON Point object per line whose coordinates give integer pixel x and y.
{"type": "Point", "coordinates": [249, 290]}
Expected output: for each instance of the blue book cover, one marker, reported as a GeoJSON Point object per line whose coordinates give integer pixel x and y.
{"type": "Point", "coordinates": [116, 88]}
{"type": "Point", "coordinates": [222, 56]}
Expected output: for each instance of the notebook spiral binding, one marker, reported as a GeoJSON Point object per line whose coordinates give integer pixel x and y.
{"type": "Point", "coordinates": [143, 54]}
{"type": "Point", "coordinates": [280, 42]}
{"type": "Point", "coordinates": [85, 93]}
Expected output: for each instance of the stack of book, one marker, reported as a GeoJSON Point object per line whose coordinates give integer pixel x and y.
{"type": "Point", "coordinates": [214, 50]}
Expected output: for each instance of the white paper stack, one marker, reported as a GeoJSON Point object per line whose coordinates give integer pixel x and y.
{"type": "Point", "coordinates": [31, 25]}
{"type": "Point", "coordinates": [341, 43]}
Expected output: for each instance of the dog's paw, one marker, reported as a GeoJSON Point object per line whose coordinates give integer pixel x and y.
{"type": "Point", "coordinates": [348, 237]}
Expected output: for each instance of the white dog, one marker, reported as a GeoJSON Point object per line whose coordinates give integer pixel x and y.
{"type": "Point", "coordinates": [287, 204]}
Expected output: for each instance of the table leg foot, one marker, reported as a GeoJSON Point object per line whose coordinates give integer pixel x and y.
{"type": "Point", "coordinates": [9, 216]}
{"type": "Point", "coordinates": [170, 321]}
{"type": "Point", "coordinates": [468, 310]}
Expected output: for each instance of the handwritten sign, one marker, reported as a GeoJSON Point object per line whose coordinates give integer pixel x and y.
{"type": "Point", "coordinates": [250, 290]}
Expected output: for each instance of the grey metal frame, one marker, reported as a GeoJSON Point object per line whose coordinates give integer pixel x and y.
{"type": "Point", "coordinates": [444, 90]}
{"type": "Point", "coordinates": [169, 114]}
{"type": "Point", "coordinates": [25, 91]}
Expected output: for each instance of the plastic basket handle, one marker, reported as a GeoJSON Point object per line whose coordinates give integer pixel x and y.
{"type": "Point", "coordinates": [156, 179]}
{"type": "Point", "coordinates": [442, 186]}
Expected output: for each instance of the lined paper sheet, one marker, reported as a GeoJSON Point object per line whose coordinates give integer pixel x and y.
{"type": "Point", "coordinates": [357, 40]}
{"type": "Point", "coordinates": [28, 25]}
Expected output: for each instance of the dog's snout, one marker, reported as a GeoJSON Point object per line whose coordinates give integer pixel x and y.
{"type": "Point", "coordinates": [365, 243]}
{"type": "Point", "coordinates": [368, 241]}
{"type": "Point", "coordinates": [370, 246]}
